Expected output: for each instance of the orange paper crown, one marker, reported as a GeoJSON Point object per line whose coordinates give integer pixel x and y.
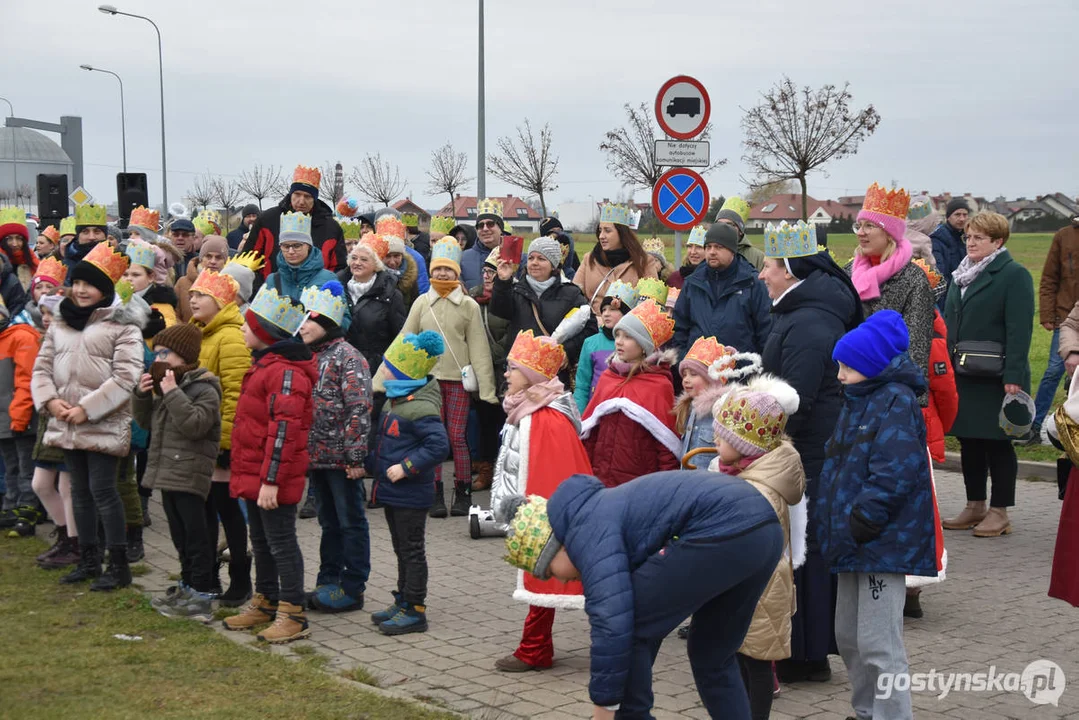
{"type": "Point", "coordinates": [539, 354]}
{"type": "Point", "coordinates": [389, 225]}
{"type": "Point", "coordinates": [52, 271]}
{"type": "Point", "coordinates": [307, 176]}
{"type": "Point", "coordinates": [108, 261]}
{"type": "Point", "coordinates": [52, 234]}
{"type": "Point", "coordinates": [660, 325]}
{"type": "Point", "coordinates": [895, 203]}
{"type": "Point", "coordinates": [378, 244]}
{"type": "Point", "coordinates": [706, 350]}
{"type": "Point", "coordinates": [222, 288]}
{"type": "Point", "coordinates": [144, 217]}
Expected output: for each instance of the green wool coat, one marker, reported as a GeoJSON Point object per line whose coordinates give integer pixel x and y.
{"type": "Point", "coordinates": [998, 306]}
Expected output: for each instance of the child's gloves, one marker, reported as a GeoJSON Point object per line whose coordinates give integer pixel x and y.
{"type": "Point", "coordinates": [224, 459]}
{"type": "Point", "coordinates": [861, 529]}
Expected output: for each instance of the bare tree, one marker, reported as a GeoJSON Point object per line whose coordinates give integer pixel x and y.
{"type": "Point", "coordinates": [756, 194]}
{"type": "Point", "coordinates": [331, 186]}
{"type": "Point", "coordinates": [6, 196]}
{"type": "Point", "coordinates": [795, 131]}
{"type": "Point", "coordinates": [25, 192]}
{"type": "Point", "coordinates": [631, 149]}
{"type": "Point", "coordinates": [201, 192]}
{"type": "Point", "coordinates": [447, 172]}
{"type": "Point", "coordinates": [227, 193]}
{"type": "Point", "coordinates": [526, 162]}
{"type": "Point", "coordinates": [260, 182]}
{"type": "Point", "coordinates": [377, 179]}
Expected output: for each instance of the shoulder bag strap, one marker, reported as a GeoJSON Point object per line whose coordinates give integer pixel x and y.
{"type": "Point", "coordinates": [446, 340]}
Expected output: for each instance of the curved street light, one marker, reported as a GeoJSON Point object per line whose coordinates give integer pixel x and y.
{"type": "Point", "coordinates": [123, 121]}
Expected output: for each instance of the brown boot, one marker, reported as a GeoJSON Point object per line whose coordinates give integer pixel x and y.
{"type": "Point", "coordinates": [972, 514]}
{"type": "Point", "coordinates": [995, 524]}
{"type": "Point", "coordinates": [512, 664]}
{"type": "Point", "coordinates": [291, 624]}
{"type": "Point", "coordinates": [484, 476]}
{"type": "Point", "coordinates": [257, 612]}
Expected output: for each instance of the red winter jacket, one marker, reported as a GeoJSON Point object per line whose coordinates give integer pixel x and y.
{"type": "Point", "coordinates": [943, 397]}
{"type": "Point", "coordinates": [273, 418]}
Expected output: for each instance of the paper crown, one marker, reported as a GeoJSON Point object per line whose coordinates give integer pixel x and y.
{"type": "Point", "coordinates": [738, 205]}
{"type": "Point", "coordinates": [489, 206]}
{"type": "Point", "coordinates": [696, 235]}
{"type": "Point", "coordinates": [707, 350]}
{"type": "Point", "coordinates": [350, 228]}
{"type": "Point", "coordinates": [348, 207]}
{"type": "Point", "coordinates": [125, 291]}
{"type": "Point", "coordinates": [141, 253]}
{"type": "Point", "coordinates": [751, 422]}
{"type": "Point", "coordinates": [326, 301]}
{"type": "Point", "coordinates": [528, 534]}
{"type": "Point", "coordinates": [145, 218]}
{"type": "Point", "coordinates": [50, 233]}
{"type": "Point", "coordinates": [652, 288]}
{"type": "Point", "coordinates": [93, 215]}
{"type": "Point", "coordinates": [251, 260]}
{"type": "Point", "coordinates": [304, 175]}
{"type": "Point", "coordinates": [389, 225]}
{"type": "Point", "coordinates": [108, 261]}
{"type": "Point", "coordinates": [790, 241]}
{"type": "Point", "coordinates": [411, 220]}
{"type": "Point", "coordinates": [208, 222]}
{"type": "Point", "coordinates": [442, 224]}
{"type": "Point", "coordinates": [620, 215]}
{"type": "Point", "coordinates": [67, 226]}
{"type": "Point", "coordinates": [377, 244]}
{"type": "Point", "coordinates": [660, 325]}
{"type": "Point", "coordinates": [12, 221]}
{"type": "Point", "coordinates": [222, 288]}
{"type": "Point", "coordinates": [672, 297]}
{"type": "Point", "coordinates": [414, 356]}
{"type": "Point", "coordinates": [52, 271]}
{"type": "Point", "coordinates": [920, 210]}
{"type": "Point", "coordinates": [934, 277]}
{"type": "Point", "coordinates": [539, 354]}
{"type": "Point", "coordinates": [626, 294]}
{"type": "Point", "coordinates": [895, 203]}
{"type": "Point", "coordinates": [295, 224]}
{"type": "Point", "coordinates": [278, 310]}
{"type": "Point", "coordinates": [653, 245]}
{"type": "Point", "coordinates": [446, 249]}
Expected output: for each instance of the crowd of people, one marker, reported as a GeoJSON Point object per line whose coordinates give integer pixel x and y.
{"type": "Point", "coordinates": [319, 361]}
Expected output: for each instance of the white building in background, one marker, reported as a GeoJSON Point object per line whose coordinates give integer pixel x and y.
{"type": "Point", "coordinates": [578, 216]}
{"type": "Point", "coordinates": [24, 154]}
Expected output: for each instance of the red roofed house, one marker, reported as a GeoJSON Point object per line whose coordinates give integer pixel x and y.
{"type": "Point", "coordinates": [407, 206]}
{"type": "Point", "coordinates": [788, 206]}
{"type": "Point", "coordinates": [517, 214]}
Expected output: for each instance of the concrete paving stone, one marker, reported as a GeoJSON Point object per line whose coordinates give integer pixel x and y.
{"type": "Point", "coordinates": [556, 715]}
{"type": "Point", "coordinates": [545, 697]}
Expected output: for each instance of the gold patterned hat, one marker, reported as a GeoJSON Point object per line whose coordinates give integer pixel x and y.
{"type": "Point", "coordinates": [790, 241]}
{"type": "Point", "coordinates": [67, 226]}
{"type": "Point", "coordinates": [442, 224]}
{"type": "Point", "coordinates": [530, 540]}
{"type": "Point", "coordinates": [490, 209]}
{"type": "Point", "coordinates": [620, 215]}
{"type": "Point", "coordinates": [540, 355]}
{"type": "Point", "coordinates": [278, 310]}
{"type": "Point", "coordinates": [652, 288]}
{"type": "Point", "coordinates": [752, 418]}
{"type": "Point", "coordinates": [222, 288]}
{"type": "Point", "coordinates": [90, 216]}
{"type": "Point", "coordinates": [696, 235]}
{"type": "Point", "coordinates": [414, 356]}
{"type": "Point", "coordinates": [446, 253]}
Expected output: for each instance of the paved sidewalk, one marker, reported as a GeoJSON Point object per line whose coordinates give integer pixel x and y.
{"type": "Point", "coordinates": [992, 611]}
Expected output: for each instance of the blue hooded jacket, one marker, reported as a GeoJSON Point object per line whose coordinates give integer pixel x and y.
{"type": "Point", "coordinates": [731, 304]}
{"type": "Point", "coordinates": [609, 533]}
{"type": "Point", "coordinates": [875, 508]}
{"type": "Point", "coordinates": [291, 281]}
{"type": "Point", "coordinates": [949, 249]}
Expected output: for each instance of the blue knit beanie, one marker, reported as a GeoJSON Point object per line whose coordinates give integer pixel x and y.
{"type": "Point", "coordinates": [871, 346]}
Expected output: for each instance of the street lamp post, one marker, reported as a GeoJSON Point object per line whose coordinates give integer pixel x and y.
{"type": "Point", "coordinates": [123, 121]}
{"type": "Point", "coordinates": [110, 10]}
{"type": "Point", "coordinates": [14, 149]}
{"type": "Point", "coordinates": [481, 162]}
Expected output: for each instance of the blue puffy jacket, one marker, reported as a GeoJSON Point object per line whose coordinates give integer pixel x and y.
{"type": "Point", "coordinates": [609, 533]}
{"type": "Point", "coordinates": [875, 509]}
{"type": "Point", "coordinates": [291, 281]}
{"type": "Point", "coordinates": [423, 282]}
{"type": "Point", "coordinates": [949, 249]}
{"type": "Point", "coordinates": [731, 304]}
{"type": "Point", "coordinates": [410, 433]}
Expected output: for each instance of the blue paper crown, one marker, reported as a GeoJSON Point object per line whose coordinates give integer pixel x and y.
{"type": "Point", "coordinates": [626, 293]}
{"type": "Point", "coordinates": [278, 310]}
{"type": "Point", "coordinates": [295, 227]}
{"type": "Point", "coordinates": [696, 235]}
{"type": "Point", "coordinates": [326, 301]}
{"type": "Point", "coordinates": [790, 241]}
{"type": "Point", "coordinates": [620, 215]}
{"type": "Point", "coordinates": [142, 253]}
{"type": "Point", "coordinates": [920, 210]}
{"type": "Point", "coordinates": [446, 249]}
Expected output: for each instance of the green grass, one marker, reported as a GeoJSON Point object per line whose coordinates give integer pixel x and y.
{"type": "Point", "coordinates": [61, 660]}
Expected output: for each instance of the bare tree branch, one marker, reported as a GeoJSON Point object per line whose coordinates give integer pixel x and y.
{"type": "Point", "coordinates": [793, 132]}
{"type": "Point", "coordinates": [377, 180]}
{"type": "Point", "coordinates": [447, 173]}
{"type": "Point", "coordinates": [201, 192]}
{"type": "Point", "coordinates": [227, 193]}
{"type": "Point", "coordinates": [261, 182]}
{"type": "Point", "coordinates": [526, 162]}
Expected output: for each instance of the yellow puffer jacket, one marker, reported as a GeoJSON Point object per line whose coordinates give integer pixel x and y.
{"type": "Point", "coordinates": [225, 354]}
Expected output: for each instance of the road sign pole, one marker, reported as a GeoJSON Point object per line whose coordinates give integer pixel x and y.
{"type": "Point", "coordinates": [678, 249]}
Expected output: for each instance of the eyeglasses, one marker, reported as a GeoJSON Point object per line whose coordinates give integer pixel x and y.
{"type": "Point", "coordinates": [162, 354]}
{"type": "Point", "coordinates": [486, 224]}
{"type": "Point", "coordinates": [292, 247]}
{"type": "Point", "coordinates": [865, 226]}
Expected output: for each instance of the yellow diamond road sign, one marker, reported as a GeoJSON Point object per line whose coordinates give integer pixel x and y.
{"type": "Point", "coordinates": [80, 196]}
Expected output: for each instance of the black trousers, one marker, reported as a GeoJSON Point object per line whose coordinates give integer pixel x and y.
{"type": "Point", "coordinates": [94, 493]}
{"type": "Point", "coordinates": [490, 417]}
{"type": "Point", "coordinates": [219, 504]}
{"type": "Point", "coordinates": [278, 562]}
{"type": "Point", "coordinates": [757, 675]}
{"type": "Point", "coordinates": [408, 527]}
{"type": "Point", "coordinates": [187, 525]}
{"type": "Point", "coordinates": [989, 458]}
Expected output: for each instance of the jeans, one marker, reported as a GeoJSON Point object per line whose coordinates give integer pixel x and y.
{"type": "Point", "coordinates": [345, 550]}
{"type": "Point", "coordinates": [669, 587]}
{"type": "Point", "coordinates": [408, 527]}
{"type": "Point", "coordinates": [186, 514]}
{"type": "Point", "coordinates": [278, 561]}
{"type": "Point", "coordinates": [996, 458]}
{"type": "Point", "coordinates": [1047, 388]}
{"type": "Point", "coordinates": [94, 493]}
{"type": "Point", "coordinates": [18, 454]}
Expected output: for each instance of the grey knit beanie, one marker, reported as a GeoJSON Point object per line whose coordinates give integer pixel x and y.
{"type": "Point", "coordinates": [549, 248]}
{"type": "Point", "coordinates": [632, 326]}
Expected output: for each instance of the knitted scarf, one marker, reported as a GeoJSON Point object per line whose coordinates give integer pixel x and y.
{"type": "Point", "coordinates": [520, 405]}
{"type": "Point", "coordinates": [968, 271]}
{"type": "Point", "coordinates": [868, 278]}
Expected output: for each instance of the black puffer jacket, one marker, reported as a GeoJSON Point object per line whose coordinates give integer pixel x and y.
{"type": "Point", "coordinates": [377, 317]}
{"type": "Point", "coordinates": [326, 234]}
{"type": "Point", "coordinates": [514, 301]}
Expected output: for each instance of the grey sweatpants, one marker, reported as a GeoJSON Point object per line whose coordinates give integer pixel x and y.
{"type": "Point", "coordinates": [869, 634]}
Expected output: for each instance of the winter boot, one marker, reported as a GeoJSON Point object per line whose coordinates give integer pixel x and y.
{"type": "Point", "coordinates": [290, 624]}
{"type": "Point", "coordinates": [60, 533]}
{"type": "Point", "coordinates": [8, 518]}
{"type": "Point", "coordinates": [383, 615]}
{"type": "Point", "coordinates": [462, 500]}
{"type": "Point", "coordinates": [89, 567]}
{"type": "Point", "coordinates": [118, 573]}
{"type": "Point", "coordinates": [27, 519]}
{"type": "Point", "coordinates": [192, 605]}
{"type": "Point", "coordinates": [438, 509]}
{"type": "Point", "coordinates": [239, 590]}
{"type": "Point", "coordinates": [144, 500]}
{"type": "Point", "coordinates": [912, 606]}
{"type": "Point", "coordinates": [334, 599]}
{"type": "Point", "coordinates": [67, 555]}
{"type": "Point", "coordinates": [410, 618]}
{"type": "Point", "coordinates": [135, 550]}
{"type": "Point", "coordinates": [971, 515]}
{"type": "Point", "coordinates": [258, 611]}
{"type": "Point", "coordinates": [308, 509]}
{"type": "Point", "coordinates": [995, 524]}
{"type": "Point", "coordinates": [484, 475]}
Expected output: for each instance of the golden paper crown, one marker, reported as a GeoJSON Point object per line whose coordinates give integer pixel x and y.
{"type": "Point", "coordinates": [378, 244]}
{"type": "Point", "coordinates": [790, 241]}
{"type": "Point", "coordinates": [141, 253]}
{"type": "Point", "coordinates": [222, 288]}
{"type": "Point", "coordinates": [146, 218]}
{"type": "Point", "coordinates": [350, 228]}
{"type": "Point", "coordinates": [620, 215]}
{"type": "Point", "coordinates": [251, 260]}
{"type": "Point", "coordinates": [706, 350]}
{"type": "Point", "coordinates": [653, 245]}
{"type": "Point", "coordinates": [652, 288]}
{"type": "Point", "coordinates": [326, 300]}
{"type": "Point", "coordinates": [489, 206]}
{"type": "Point", "coordinates": [51, 233]}
{"type": "Point", "coordinates": [738, 205]}
{"type": "Point", "coordinates": [446, 253]}
{"type": "Point", "coordinates": [108, 261]}
{"type": "Point", "coordinates": [529, 532]}
{"type": "Point", "coordinates": [935, 278]}
{"type": "Point", "coordinates": [51, 270]}
{"type": "Point", "coordinates": [307, 176]}
{"type": "Point", "coordinates": [208, 222]}
{"type": "Point", "coordinates": [660, 325]}
{"type": "Point", "coordinates": [389, 225]}
{"type": "Point", "coordinates": [14, 216]}
{"type": "Point", "coordinates": [539, 354]}
{"type": "Point", "coordinates": [895, 203]}
{"type": "Point", "coordinates": [278, 310]}
{"type": "Point", "coordinates": [294, 227]}
{"type": "Point", "coordinates": [67, 226]}
{"type": "Point", "coordinates": [442, 224]}
{"type": "Point", "coordinates": [411, 220]}
{"type": "Point", "coordinates": [93, 215]}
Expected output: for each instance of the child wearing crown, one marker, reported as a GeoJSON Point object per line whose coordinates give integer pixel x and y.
{"type": "Point", "coordinates": [14, 243]}
{"type": "Point", "coordinates": [628, 428]}
{"type": "Point", "coordinates": [411, 442]}
{"type": "Point", "coordinates": [540, 448]}
{"type": "Point", "coordinates": [598, 348]}
{"type": "Point", "coordinates": [148, 274]}
{"type": "Point", "coordinates": [338, 447]}
{"type": "Point", "coordinates": [269, 461]}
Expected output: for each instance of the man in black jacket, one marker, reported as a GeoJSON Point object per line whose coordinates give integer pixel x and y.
{"type": "Point", "coordinates": [248, 216]}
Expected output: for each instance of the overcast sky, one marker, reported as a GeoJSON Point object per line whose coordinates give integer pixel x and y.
{"type": "Point", "coordinates": [975, 95]}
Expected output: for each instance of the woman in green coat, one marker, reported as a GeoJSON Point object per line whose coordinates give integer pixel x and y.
{"type": "Point", "coordinates": [991, 298]}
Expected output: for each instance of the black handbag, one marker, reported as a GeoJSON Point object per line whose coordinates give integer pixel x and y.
{"type": "Point", "coordinates": [978, 358]}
